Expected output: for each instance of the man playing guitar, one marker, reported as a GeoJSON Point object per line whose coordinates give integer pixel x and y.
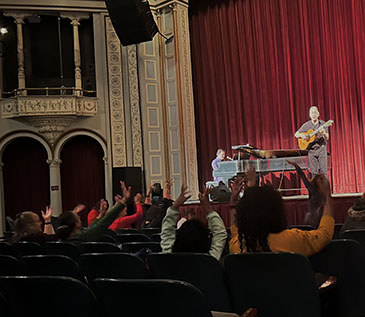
{"type": "Point", "coordinates": [317, 150]}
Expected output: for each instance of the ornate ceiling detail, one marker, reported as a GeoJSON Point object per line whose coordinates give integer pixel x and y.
{"type": "Point", "coordinates": [49, 114]}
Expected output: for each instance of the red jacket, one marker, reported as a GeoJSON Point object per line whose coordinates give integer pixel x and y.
{"type": "Point", "coordinates": [127, 221]}
{"type": "Point", "coordinates": [92, 216]}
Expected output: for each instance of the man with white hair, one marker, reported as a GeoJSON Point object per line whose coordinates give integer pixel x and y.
{"type": "Point", "coordinates": [317, 150]}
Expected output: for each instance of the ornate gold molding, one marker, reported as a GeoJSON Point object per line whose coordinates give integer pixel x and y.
{"type": "Point", "coordinates": [27, 106]}
{"type": "Point", "coordinates": [50, 115]}
{"type": "Point", "coordinates": [189, 131]}
{"type": "Point", "coordinates": [115, 83]}
{"type": "Point", "coordinates": [134, 106]}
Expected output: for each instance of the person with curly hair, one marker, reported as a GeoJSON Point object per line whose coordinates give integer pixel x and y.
{"type": "Point", "coordinates": [261, 225]}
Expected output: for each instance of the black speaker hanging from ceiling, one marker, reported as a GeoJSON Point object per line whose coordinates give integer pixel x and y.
{"type": "Point", "coordinates": [132, 20]}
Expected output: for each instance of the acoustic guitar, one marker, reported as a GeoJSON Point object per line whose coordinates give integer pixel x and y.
{"type": "Point", "coordinates": [305, 144]}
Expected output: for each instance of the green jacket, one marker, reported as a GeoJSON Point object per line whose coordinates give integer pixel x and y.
{"type": "Point", "coordinates": [99, 226]}
{"type": "Point", "coordinates": [215, 224]}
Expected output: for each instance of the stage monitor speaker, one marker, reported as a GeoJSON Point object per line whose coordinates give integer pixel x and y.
{"type": "Point", "coordinates": [221, 194]}
{"type": "Point", "coordinates": [132, 176]}
{"type": "Point", "coordinates": [132, 20]}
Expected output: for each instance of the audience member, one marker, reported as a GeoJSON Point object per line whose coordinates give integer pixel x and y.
{"type": "Point", "coordinates": [189, 215]}
{"type": "Point", "coordinates": [28, 227]}
{"type": "Point", "coordinates": [70, 228]}
{"type": "Point", "coordinates": [315, 200]}
{"type": "Point", "coordinates": [125, 221]}
{"type": "Point", "coordinates": [155, 210]}
{"type": "Point", "coordinates": [193, 235]}
{"type": "Point", "coordinates": [98, 211]}
{"type": "Point", "coordinates": [261, 225]}
{"type": "Point", "coordinates": [356, 215]}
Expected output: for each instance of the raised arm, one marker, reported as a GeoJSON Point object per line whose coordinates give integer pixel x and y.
{"type": "Point", "coordinates": [167, 188]}
{"type": "Point", "coordinates": [215, 224]}
{"type": "Point", "coordinates": [168, 231]}
{"type": "Point", "coordinates": [47, 216]}
{"type": "Point", "coordinates": [300, 172]}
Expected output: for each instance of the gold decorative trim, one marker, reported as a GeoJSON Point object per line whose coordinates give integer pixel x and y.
{"type": "Point", "coordinates": [134, 106]}
{"type": "Point", "coordinates": [190, 136]}
{"type": "Point", "coordinates": [179, 95]}
{"type": "Point", "coordinates": [163, 100]}
{"type": "Point", "coordinates": [115, 84]}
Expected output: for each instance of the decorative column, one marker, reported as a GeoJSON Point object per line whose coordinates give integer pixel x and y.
{"type": "Point", "coordinates": [77, 56]}
{"type": "Point", "coordinates": [2, 202]}
{"type": "Point", "coordinates": [19, 20]}
{"type": "Point", "coordinates": [108, 180]}
{"type": "Point", "coordinates": [55, 186]}
{"type": "Point", "coordinates": [179, 92]}
{"type": "Point", "coordinates": [163, 97]}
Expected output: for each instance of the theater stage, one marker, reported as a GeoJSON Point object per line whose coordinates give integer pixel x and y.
{"type": "Point", "coordinates": [295, 209]}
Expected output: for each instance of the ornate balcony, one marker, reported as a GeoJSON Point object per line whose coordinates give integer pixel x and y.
{"type": "Point", "coordinates": [49, 114]}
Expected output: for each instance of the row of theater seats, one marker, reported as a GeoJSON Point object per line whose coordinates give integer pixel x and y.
{"type": "Point", "coordinates": [276, 284]}
{"type": "Point", "coordinates": [64, 296]}
{"type": "Point", "coordinates": [73, 251]}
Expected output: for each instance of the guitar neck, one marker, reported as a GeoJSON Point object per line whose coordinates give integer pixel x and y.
{"type": "Point", "coordinates": [317, 130]}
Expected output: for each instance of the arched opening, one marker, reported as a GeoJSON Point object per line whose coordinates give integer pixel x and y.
{"type": "Point", "coordinates": [82, 173]}
{"type": "Point", "coordinates": [25, 176]}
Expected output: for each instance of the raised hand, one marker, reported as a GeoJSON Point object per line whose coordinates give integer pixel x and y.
{"type": "Point", "coordinates": [251, 176]}
{"type": "Point", "coordinates": [237, 187]}
{"type": "Point", "coordinates": [204, 199]}
{"type": "Point", "coordinates": [167, 188]}
{"type": "Point", "coordinates": [292, 163]}
{"type": "Point", "coordinates": [323, 186]}
{"type": "Point", "coordinates": [138, 198]}
{"type": "Point", "coordinates": [125, 191]}
{"type": "Point", "coordinates": [48, 214]}
{"type": "Point", "coordinates": [78, 208]}
{"type": "Point", "coordinates": [119, 199]}
{"type": "Point", "coordinates": [149, 190]}
{"type": "Point", "coordinates": [183, 197]}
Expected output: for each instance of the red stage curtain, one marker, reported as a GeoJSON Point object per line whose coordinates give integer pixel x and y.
{"type": "Point", "coordinates": [259, 65]}
{"type": "Point", "coordinates": [25, 177]}
{"type": "Point", "coordinates": [82, 174]}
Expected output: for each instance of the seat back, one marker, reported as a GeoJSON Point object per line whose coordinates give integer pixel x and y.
{"type": "Point", "coordinates": [51, 265]}
{"type": "Point", "coordinates": [126, 230]}
{"type": "Point", "coordinates": [23, 248]}
{"type": "Point", "coordinates": [9, 265]}
{"type": "Point", "coordinates": [156, 237]}
{"type": "Point", "coordinates": [98, 247]}
{"type": "Point", "coordinates": [112, 265]}
{"type": "Point", "coordinates": [132, 237]}
{"type": "Point", "coordinates": [337, 231]}
{"type": "Point", "coordinates": [355, 234]}
{"type": "Point", "coordinates": [7, 249]}
{"type": "Point", "coordinates": [46, 296]}
{"type": "Point", "coordinates": [276, 284]}
{"type": "Point", "coordinates": [133, 247]}
{"type": "Point", "coordinates": [344, 259]}
{"type": "Point", "coordinates": [150, 298]}
{"type": "Point", "coordinates": [150, 231]}
{"type": "Point", "coordinates": [63, 248]}
{"type": "Point", "coordinates": [302, 227]}
{"type": "Point", "coordinates": [201, 270]}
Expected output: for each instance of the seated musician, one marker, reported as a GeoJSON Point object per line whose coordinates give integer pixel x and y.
{"type": "Point", "coordinates": [317, 150]}
{"type": "Point", "coordinates": [220, 155]}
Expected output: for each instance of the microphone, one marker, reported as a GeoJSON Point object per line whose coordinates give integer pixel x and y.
{"type": "Point", "coordinates": [229, 158]}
